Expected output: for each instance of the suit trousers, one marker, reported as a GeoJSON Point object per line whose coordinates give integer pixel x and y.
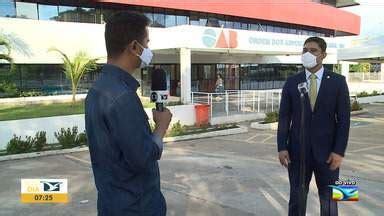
{"type": "Point", "coordinates": [324, 177]}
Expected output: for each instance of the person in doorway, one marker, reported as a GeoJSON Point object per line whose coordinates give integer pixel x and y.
{"type": "Point", "coordinates": [327, 119]}
{"type": "Point", "coordinates": [124, 151]}
{"type": "Point", "coordinates": [219, 86]}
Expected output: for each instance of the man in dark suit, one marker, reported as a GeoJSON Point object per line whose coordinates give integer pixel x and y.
{"type": "Point", "coordinates": [327, 119]}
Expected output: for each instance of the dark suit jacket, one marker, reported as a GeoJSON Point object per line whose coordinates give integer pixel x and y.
{"type": "Point", "coordinates": [326, 128]}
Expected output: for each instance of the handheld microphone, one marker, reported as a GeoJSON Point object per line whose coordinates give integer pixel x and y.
{"type": "Point", "coordinates": [303, 88]}
{"type": "Point", "coordinates": [159, 92]}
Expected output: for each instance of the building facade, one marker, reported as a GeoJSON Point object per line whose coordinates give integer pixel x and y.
{"type": "Point", "coordinates": [252, 44]}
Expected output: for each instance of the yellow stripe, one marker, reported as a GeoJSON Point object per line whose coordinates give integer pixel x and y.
{"type": "Point", "coordinates": [44, 198]}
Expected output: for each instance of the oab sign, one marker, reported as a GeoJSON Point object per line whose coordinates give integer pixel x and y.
{"type": "Point", "coordinates": [221, 39]}
{"type": "Point", "coordinates": [258, 41]}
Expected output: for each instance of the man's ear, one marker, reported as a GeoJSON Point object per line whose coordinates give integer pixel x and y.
{"type": "Point", "coordinates": [133, 47]}
{"type": "Point", "coordinates": [324, 55]}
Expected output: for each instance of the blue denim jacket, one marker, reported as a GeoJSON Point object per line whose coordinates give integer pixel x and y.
{"type": "Point", "coordinates": [123, 150]}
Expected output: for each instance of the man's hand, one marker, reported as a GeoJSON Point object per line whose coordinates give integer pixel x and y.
{"type": "Point", "coordinates": [284, 158]}
{"type": "Point", "coordinates": [162, 120]}
{"type": "Point", "coordinates": [334, 161]}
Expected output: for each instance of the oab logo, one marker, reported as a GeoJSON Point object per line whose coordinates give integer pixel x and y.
{"type": "Point", "coordinates": [225, 39]}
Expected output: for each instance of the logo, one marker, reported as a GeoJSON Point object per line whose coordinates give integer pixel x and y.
{"type": "Point", "coordinates": [225, 39]}
{"type": "Point", "coordinates": [345, 191]}
{"type": "Point", "coordinates": [44, 190]}
{"type": "Point", "coordinates": [51, 186]}
{"type": "Point", "coordinates": [153, 96]}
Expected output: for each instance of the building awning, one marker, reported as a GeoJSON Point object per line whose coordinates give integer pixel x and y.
{"type": "Point", "coordinates": [365, 50]}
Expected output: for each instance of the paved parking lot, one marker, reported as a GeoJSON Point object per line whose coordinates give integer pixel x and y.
{"type": "Point", "coordinates": [228, 175]}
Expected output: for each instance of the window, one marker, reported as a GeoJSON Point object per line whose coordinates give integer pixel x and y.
{"type": "Point", "coordinates": [229, 24]}
{"type": "Point", "coordinates": [209, 71]}
{"type": "Point", "coordinates": [253, 27]}
{"type": "Point", "coordinates": [277, 29]}
{"type": "Point", "coordinates": [26, 10]}
{"type": "Point", "coordinates": [203, 19]}
{"type": "Point", "coordinates": [222, 23]}
{"type": "Point", "coordinates": [182, 20]}
{"type": "Point", "coordinates": [262, 27]}
{"type": "Point", "coordinates": [237, 24]}
{"type": "Point", "coordinates": [244, 26]}
{"type": "Point", "coordinates": [48, 12]}
{"type": "Point", "coordinates": [213, 22]}
{"type": "Point", "coordinates": [158, 18]}
{"type": "Point", "coordinates": [86, 15]}
{"type": "Point", "coordinates": [170, 20]}
{"type": "Point", "coordinates": [67, 14]}
{"type": "Point", "coordinates": [148, 13]}
{"type": "Point", "coordinates": [284, 30]}
{"type": "Point", "coordinates": [194, 18]}
{"type": "Point", "coordinates": [292, 31]}
{"type": "Point", "coordinates": [7, 8]}
{"type": "Point", "coordinates": [270, 28]}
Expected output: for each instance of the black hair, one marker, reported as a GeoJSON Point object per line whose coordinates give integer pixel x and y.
{"type": "Point", "coordinates": [122, 28]}
{"type": "Point", "coordinates": [320, 41]}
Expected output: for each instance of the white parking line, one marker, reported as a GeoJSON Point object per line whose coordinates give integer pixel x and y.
{"type": "Point", "coordinates": [366, 149]}
{"type": "Point", "coordinates": [77, 159]}
{"type": "Point", "coordinates": [274, 202]}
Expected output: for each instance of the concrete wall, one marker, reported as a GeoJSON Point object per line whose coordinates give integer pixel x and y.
{"type": "Point", "coordinates": [369, 87]}
{"type": "Point", "coordinates": [28, 127]}
{"type": "Point", "coordinates": [40, 99]}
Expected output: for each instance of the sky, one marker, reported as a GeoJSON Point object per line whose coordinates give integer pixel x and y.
{"type": "Point", "coordinates": [372, 17]}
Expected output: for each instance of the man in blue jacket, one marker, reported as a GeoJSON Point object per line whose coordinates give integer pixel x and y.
{"type": "Point", "coordinates": [124, 152]}
{"type": "Point", "coordinates": [327, 119]}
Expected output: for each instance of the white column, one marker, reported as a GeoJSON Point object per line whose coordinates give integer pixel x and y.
{"type": "Point", "coordinates": [382, 72]}
{"type": "Point", "coordinates": [185, 75]}
{"type": "Point", "coordinates": [345, 70]}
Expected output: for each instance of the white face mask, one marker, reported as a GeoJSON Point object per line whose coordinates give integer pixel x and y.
{"type": "Point", "coordinates": [308, 60]}
{"type": "Point", "coordinates": [145, 57]}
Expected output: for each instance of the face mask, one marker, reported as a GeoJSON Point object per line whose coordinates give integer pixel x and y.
{"type": "Point", "coordinates": [145, 57]}
{"type": "Point", "coordinates": [308, 60]}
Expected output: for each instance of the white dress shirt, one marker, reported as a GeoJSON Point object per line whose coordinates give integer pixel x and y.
{"type": "Point", "coordinates": [319, 76]}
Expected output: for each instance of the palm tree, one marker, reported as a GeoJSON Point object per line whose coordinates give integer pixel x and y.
{"type": "Point", "coordinates": [75, 68]}
{"type": "Point", "coordinates": [7, 55]}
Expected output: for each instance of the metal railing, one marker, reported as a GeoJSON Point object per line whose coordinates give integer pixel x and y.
{"type": "Point", "coordinates": [361, 76]}
{"type": "Point", "coordinates": [233, 102]}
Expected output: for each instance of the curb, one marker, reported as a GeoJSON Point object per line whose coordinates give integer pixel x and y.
{"type": "Point", "coordinates": [239, 130]}
{"type": "Point", "coordinates": [269, 126]}
{"type": "Point", "coordinates": [358, 112]}
{"type": "Point", "coordinates": [43, 153]}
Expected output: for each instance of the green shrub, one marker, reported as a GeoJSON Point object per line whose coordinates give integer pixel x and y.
{"type": "Point", "coordinates": [30, 93]}
{"type": "Point", "coordinates": [40, 141]}
{"type": "Point", "coordinates": [374, 93]}
{"type": "Point", "coordinates": [362, 94]}
{"type": "Point", "coordinates": [177, 129]}
{"type": "Point", "coordinates": [82, 139]}
{"type": "Point", "coordinates": [68, 138]}
{"type": "Point", "coordinates": [16, 145]}
{"type": "Point", "coordinates": [271, 117]}
{"type": "Point", "coordinates": [356, 106]}
{"type": "Point", "coordinates": [8, 88]}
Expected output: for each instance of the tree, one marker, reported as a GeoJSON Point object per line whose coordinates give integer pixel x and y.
{"type": "Point", "coordinates": [7, 54]}
{"type": "Point", "coordinates": [360, 67]}
{"type": "Point", "coordinates": [75, 68]}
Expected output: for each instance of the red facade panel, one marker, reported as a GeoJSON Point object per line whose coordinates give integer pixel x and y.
{"type": "Point", "coordinates": [300, 12]}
